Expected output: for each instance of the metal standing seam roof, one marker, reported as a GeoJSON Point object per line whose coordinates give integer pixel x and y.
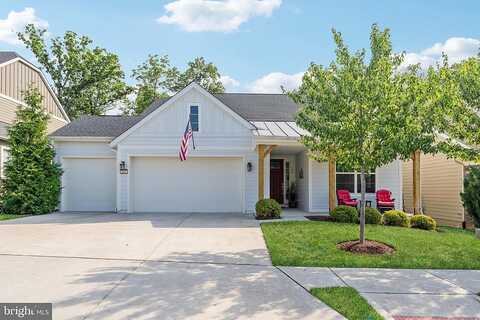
{"type": "Point", "coordinates": [271, 114]}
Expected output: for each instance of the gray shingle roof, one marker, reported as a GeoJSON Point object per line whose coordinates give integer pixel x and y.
{"type": "Point", "coordinates": [97, 126]}
{"type": "Point", "coordinates": [7, 56]}
{"type": "Point", "coordinates": [250, 106]}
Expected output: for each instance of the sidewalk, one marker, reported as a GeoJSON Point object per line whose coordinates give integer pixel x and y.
{"type": "Point", "coordinates": [403, 294]}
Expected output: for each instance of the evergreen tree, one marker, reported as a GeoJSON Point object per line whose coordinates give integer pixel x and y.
{"type": "Point", "coordinates": [32, 178]}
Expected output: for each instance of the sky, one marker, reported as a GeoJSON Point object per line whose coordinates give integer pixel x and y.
{"type": "Point", "coordinates": [257, 45]}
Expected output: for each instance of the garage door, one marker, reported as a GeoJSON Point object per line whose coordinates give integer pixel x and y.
{"type": "Point", "coordinates": [196, 185]}
{"type": "Point", "coordinates": [89, 185]}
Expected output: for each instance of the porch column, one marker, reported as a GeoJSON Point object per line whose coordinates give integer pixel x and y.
{"type": "Point", "coordinates": [331, 183]}
{"type": "Point", "coordinates": [417, 201]}
{"type": "Point", "coordinates": [263, 151]}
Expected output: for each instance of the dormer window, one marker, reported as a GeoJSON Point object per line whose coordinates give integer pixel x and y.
{"type": "Point", "coordinates": [194, 118]}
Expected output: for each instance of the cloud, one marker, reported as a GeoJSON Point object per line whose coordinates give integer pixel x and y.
{"type": "Point", "coordinates": [272, 82]}
{"type": "Point", "coordinates": [215, 15]}
{"type": "Point", "coordinates": [228, 82]}
{"type": "Point", "coordinates": [16, 22]}
{"type": "Point", "coordinates": [456, 48]}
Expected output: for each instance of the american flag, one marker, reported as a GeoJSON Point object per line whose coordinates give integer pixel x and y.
{"type": "Point", "coordinates": [185, 142]}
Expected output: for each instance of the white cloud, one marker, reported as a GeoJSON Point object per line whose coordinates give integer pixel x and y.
{"type": "Point", "coordinates": [215, 15]}
{"type": "Point", "coordinates": [16, 22]}
{"type": "Point", "coordinates": [457, 49]}
{"type": "Point", "coordinates": [228, 82]}
{"type": "Point", "coordinates": [273, 82]}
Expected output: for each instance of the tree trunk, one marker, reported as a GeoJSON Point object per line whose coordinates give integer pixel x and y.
{"type": "Point", "coordinates": [362, 205]}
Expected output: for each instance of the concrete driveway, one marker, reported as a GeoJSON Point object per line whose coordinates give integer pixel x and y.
{"type": "Point", "coordinates": [149, 266]}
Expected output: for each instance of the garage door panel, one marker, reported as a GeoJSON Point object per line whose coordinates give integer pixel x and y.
{"type": "Point", "coordinates": [89, 184]}
{"type": "Point", "coordinates": [196, 185]}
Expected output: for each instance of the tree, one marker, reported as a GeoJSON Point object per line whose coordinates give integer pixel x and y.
{"type": "Point", "coordinates": [157, 79]}
{"type": "Point", "coordinates": [32, 178]}
{"type": "Point", "coordinates": [471, 194]}
{"type": "Point", "coordinates": [350, 109]}
{"type": "Point", "coordinates": [86, 80]}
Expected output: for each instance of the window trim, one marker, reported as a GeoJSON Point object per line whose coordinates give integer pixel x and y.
{"type": "Point", "coordinates": [2, 163]}
{"type": "Point", "coordinates": [199, 115]}
{"type": "Point", "coordinates": [355, 180]}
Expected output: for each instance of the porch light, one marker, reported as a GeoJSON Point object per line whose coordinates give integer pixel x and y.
{"type": "Point", "coordinates": [249, 167]}
{"type": "Point", "coordinates": [123, 168]}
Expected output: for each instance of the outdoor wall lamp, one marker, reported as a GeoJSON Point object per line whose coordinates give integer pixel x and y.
{"type": "Point", "coordinates": [123, 168]}
{"type": "Point", "coordinates": [249, 166]}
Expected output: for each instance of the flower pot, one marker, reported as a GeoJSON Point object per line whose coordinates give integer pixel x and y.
{"type": "Point", "coordinates": [477, 233]}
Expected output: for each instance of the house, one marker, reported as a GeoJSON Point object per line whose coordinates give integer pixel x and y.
{"type": "Point", "coordinates": [441, 182]}
{"type": "Point", "coordinates": [247, 148]}
{"type": "Point", "coordinates": [16, 76]}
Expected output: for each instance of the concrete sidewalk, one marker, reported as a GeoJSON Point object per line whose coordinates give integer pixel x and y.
{"type": "Point", "coordinates": [403, 293]}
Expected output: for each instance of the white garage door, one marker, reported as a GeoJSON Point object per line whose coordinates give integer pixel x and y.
{"type": "Point", "coordinates": [89, 185]}
{"type": "Point", "coordinates": [196, 185]}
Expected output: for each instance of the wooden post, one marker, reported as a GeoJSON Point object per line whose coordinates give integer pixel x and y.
{"type": "Point", "coordinates": [417, 201]}
{"type": "Point", "coordinates": [261, 171]}
{"type": "Point", "coordinates": [332, 183]}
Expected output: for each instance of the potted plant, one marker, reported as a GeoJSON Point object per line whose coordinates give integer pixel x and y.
{"type": "Point", "coordinates": [471, 196]}
{"type": "Point", "coordinates": [292, 195]}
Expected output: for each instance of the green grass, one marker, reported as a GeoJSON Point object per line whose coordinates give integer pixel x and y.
{"type": "Point", "coordinates": [11, 216]}
{"type": "Point", "coordinates": [309, 243]}
{"type": "Point", "coordinates": [348, 302]}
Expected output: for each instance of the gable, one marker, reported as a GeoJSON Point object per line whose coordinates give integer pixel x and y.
{"type": "Point", "coordinates": [17, 76]}
{"type": "Point", "coordinates": [170, 119]}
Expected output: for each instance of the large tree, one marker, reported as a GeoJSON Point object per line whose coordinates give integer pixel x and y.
{"type": "Point", "coordinates": [32, 178]}
{"type": "Point", "coordinates": [350, 109]}
{"type": "Point", "coordinates": [86, 79]}
{"type": "Point", "coordinates": [156, 78]}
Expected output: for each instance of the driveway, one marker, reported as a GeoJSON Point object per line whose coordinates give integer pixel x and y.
{"type": "Point", "coordinates": [149, 266]}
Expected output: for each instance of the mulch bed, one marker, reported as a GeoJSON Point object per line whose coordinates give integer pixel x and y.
{"type": "Point", "coordinates": [369, 247]}
{"type": "Point", "coordinates": [319, 218]}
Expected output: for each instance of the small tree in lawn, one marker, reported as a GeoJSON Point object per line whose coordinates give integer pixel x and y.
{"type": "Point", "coordinates": [32, 178]}
{"type": "Point", "coordinates": [350, 108]}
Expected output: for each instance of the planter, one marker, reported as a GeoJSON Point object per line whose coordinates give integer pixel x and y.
{"type": "Point", "coordinates": [477, 233]}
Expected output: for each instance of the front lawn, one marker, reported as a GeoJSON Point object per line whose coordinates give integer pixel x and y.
{"type": "Point", "coordinates": [308, 243]}
{"type": "Point", "coordinates": [348, 302]}
{"type": "Point", "coordinates": [4, 216]}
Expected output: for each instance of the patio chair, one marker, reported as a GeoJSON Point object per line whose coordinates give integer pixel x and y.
{"type": "Point", "coordinates": [344, 199]}
{"type": "Point", "coordinates": [384, 200]}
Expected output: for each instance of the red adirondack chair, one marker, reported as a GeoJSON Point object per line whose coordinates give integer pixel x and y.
{"type": "Point", "coordinates": [384, 200]}
{"type": "Point", "coordinates": [344, 199]}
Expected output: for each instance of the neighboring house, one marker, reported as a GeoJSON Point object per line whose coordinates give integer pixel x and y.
{"type": "Point", "coordinates": [247, 148]}
{"type": "Point", "coordinates": [16, 76]}
{"type": "Point", "coordinates": [441, 182]}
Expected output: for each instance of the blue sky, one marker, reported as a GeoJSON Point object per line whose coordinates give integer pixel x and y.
{"type": "Point", "coordinates": [257, 45]}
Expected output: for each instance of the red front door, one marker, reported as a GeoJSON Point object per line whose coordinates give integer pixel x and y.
{"type": "Point", "coordinates": [276, 180]}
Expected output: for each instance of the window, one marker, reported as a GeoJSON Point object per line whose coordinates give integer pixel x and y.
{"type": "Point", "coordinates": [194, 118]}
{"type": "Point", "coordinates": [4, 157]}
{"type": "Point", "coordinates": [350, 180]}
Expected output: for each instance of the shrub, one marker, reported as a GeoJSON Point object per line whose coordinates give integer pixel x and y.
{"type": "Point", "coordinates": [421, 221]}
{"type": "Point", "coordinates": [345, 214]}
{"type": "Point", "coordinates": [395, 218]}
{"type": "Point", "coordinates": [471, 194]}
{"type": "Point", "coordinates": [372, 216]}
{"type": "Point", "coordinates": [268, 209]}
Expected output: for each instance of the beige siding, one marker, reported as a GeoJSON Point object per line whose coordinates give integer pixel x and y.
{"type": "Point", "coordinates": [441, 184]}
{"type": "Point", "coordinates": [17, 77]}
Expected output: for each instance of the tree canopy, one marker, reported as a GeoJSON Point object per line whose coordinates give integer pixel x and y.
{"type": "Point", "coordinates": [87, 80]}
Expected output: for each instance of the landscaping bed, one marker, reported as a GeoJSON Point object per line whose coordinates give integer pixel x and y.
{"type": "Point", "coordinates": [309, 243]}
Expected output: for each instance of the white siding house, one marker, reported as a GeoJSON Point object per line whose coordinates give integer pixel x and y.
{"type": "Point", "coordinates": [131, 164]}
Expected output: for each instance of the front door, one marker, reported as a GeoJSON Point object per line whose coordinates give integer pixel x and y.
{"type": "Point", "coordinates": [276, 180]}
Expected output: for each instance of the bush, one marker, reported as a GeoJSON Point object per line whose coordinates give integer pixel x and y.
{"type": "Point", "coordinates": [268, 209]}
{"type": "Point", "coordinates": [372, 216]}
{"type": "Point", "coordinates": [395, 218]}
{"type": "Point", "coordinates": [421, 221]}
{"type": "Point", "coordinates": [471, 194]}
{"type": "Point", "coordinates": [345, 214]}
